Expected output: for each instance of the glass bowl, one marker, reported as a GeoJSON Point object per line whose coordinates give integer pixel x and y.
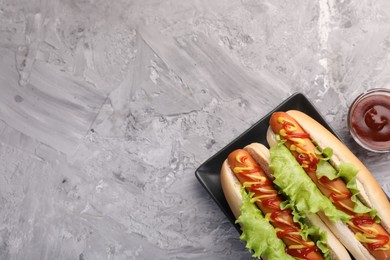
{"type": "Point", "coordinates": [369, 120]}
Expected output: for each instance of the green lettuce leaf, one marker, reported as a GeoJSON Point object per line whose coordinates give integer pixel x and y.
{"type": "Point", "coordinates": [297, 185]}
{"type": "Point", "coordinates": [259, 234]}
{"type": "Point", "coordinates": [320, 238]}
{"type": "Point", "coordinates": [347, 172]}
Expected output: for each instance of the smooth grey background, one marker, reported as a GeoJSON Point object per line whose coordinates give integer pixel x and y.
{"type": "Point", "coordinates": [108, 107]}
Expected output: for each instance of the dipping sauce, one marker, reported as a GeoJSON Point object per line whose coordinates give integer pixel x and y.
{"type": "Point", "coordinates": [369, 120]}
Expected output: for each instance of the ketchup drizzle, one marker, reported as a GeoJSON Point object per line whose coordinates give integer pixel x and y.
{"type": "Point", "coordinates": [382, 240]}
{"type": "Point", "coordinates": [302, 253]}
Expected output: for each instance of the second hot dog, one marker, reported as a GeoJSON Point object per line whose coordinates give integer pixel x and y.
{"type": "Point", "coordinates": [342, 178]}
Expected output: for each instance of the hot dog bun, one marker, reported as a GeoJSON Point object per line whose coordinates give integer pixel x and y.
{"type": "Point", "coordinates": [231, 187]}
{"type": "Point", "coordinates": [232, 190]}
{"type": "Point", "coordinates": [370, 194]}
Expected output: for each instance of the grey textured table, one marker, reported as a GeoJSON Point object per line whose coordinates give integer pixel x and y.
{"type": "Point", "coordinates": [108, 107]}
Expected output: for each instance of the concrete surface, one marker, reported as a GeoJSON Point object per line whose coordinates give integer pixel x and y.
{"type": "Point", "coordinates": [108, 107]}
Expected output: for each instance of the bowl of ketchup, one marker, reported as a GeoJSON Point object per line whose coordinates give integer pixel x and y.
{"type": "Point", "coordinates": [369, 120]}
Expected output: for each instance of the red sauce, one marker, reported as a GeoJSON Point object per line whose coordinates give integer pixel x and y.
{"type": "Point", "coordinates": [279, 215]}
{"type": "Point", "coordinates": [302, 253]}
{"type": "Point", "coordinates": [363, 220]}
{"type": "Point", "coordinates": [370, 119]}
{"type": "Point", "coordinates": [337, 198]}
{"type": "Point", "coordinates": [305, 159]}
{"type": "Point", "coordinates": [296, 135]}
{"type": "Point", "coordinates": [272, 203]}
{"type": "Point", "coordinates": [381, 241]}
{"type": "Point", "coordinates": [287, 125]}
{"type": "Point", "coordinates": [326, 180]}
{"type": "Point", "coordinates": [289, 233]}
{"type": "Point", "coordinates": [263, 183]}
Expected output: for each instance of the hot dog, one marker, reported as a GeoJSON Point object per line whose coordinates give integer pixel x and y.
{"type": "Point", "coordinates": [283, 233]}
{"type": "Point", "coordinates": [339, 176]}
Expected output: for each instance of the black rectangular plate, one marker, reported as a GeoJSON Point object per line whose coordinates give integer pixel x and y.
{"type": "Point", "coordinates": [208, 173]}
